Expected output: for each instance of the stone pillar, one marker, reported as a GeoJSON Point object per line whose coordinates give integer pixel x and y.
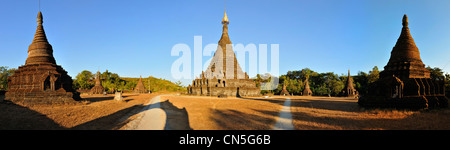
{"type": "Point", "coordinates": [118, 97]}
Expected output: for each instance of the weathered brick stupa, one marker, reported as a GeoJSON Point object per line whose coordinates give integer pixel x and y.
{"type": "Point", "coordinates": [98, 88]}
{"type": "Point", "coordinates": [41, 80]}
{"type": "Point", "coordinates": [284, 92]}
{"type": "Point", "coordinates": [405, 82]}
{"type": "Point", "coordinates": [349, 90]}
{"type": "Point", "coordinates": [307, 91]}
{"type": "Point", "coordinates": [224, 76]}
{"type": "Point", "coordinates": [140, 88]}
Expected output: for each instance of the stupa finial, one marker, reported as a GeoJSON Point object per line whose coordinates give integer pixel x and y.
{"type": "Point", "coordinates": [40, 19]}
{"type": "Point", "coordinates": [405, 21]}
{"type": "Point", "coordinates": [225, 17]}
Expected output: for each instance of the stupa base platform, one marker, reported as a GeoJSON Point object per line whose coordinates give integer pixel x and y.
{"type": "Point", "coordinates": [412, 102]}
{"type": "Point", "coordinates": [43, 97]}
{"type": "Point", "coordinates": [224, 91]}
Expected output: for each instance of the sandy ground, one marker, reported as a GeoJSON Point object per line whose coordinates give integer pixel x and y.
{"type": "Point", "coordinates": [308, 113]}
{"type": "Point", "coordinates": [335, 113]}
{"type": "Point", "coordinates": [205, 113]}
{"type": "Point", "coordinates": [94, 112]}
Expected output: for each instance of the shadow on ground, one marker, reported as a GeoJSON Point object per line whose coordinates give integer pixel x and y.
{"type": "Point", "coordinates": [177, 119]}
{"type": "Point", "coordinates": [354, 117]}
{"type": "Point", "coordinates": [104, 98]}
{"type": "Point", "coordinates": [236, 120]}
{"type": "Point", "coordinates": [279, 101]}
{"type": "Point", "coordinates": [16, 117]}
{"type": "Point", "coordinates": [110, 122]}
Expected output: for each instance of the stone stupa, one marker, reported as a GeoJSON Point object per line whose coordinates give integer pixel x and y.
{"type": "Point", "coordinates": [405, 82]}
{"type": "Point", "coordinates": [140, 88]}
{"type": "Point", "coordinates": [224, 76]}
{"type": "Point", "coordinates": [98, 88]}
{"type": "Point", "coordinates": [349, 90]}
{"type": "Point", "coordinates": [284, 92]}
{"type": "Point", "coordinates": [41, 80]}
{"type": "Point", "coordinates": [307, 91]}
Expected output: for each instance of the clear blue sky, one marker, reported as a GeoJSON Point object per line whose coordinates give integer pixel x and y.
{"type": "Point", "coordinates": [135, 37]}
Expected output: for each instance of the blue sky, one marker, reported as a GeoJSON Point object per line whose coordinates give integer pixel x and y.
{"type": "Point", "coordinates": [135, 37]}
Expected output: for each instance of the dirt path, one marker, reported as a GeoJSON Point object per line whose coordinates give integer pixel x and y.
{"type": "Point", "coordinates": [284, 121]}
{"type": "Point", "coordinates": [159, 115]}
{"type": "Point", "coordinates": [152, 117]}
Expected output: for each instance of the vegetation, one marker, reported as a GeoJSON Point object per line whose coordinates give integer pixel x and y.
{"type": "Point", "coordinates": [4, 74]}
{"type": "Point", "coordinates": [155, 84]}
{"type": "Point", "coordinates": [321, 84]}
{"type": "Point", "coordinates": [330, 84]}
{"type": "Point", "coordinates": [112, 81]}
{"type": "Point", "coordinates": [447, 85]}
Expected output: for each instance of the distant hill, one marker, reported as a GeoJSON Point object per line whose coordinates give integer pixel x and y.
{"type": "Point", "coordinates": [156, 84]}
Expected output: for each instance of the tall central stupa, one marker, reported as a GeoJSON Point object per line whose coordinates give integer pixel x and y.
{"type": "Point", "coordinates": [224, 76]}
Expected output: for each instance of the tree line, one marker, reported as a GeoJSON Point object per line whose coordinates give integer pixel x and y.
{"type": "Point", "coordinates": [321, 84]}
{"type": "Point", "coordinates": [85, 80]}
{"type": "Point", "coordinates": [331, 84]}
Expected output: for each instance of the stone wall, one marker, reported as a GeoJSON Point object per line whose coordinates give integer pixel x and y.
{"type": "Point", "coordinates": [41, 82]}
{"type": "Point", "coordinates": [227, 87]}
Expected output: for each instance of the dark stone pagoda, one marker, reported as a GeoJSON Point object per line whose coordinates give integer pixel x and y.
{"type": "Point", "coordinates": [405, 82]}
{"type": "Point", "coordinates": [41, 80]}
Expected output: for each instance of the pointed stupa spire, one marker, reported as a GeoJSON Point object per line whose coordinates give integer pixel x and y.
{"type": "Point", "coordinates": [307, 91]}
{"type": "Point", "coordinates": [405, 49]}
{"type": "Point", "coordinates": [349, 81]}
{"type": "Point", "coordinates": [40, 36]}
{"type": "Point", "coordinates": [225, 39]}
{"type": "Point", "coordinates": [140, 88]}
{"type": "Point", "coordinates": [405, 21]}
{"type": "Point", "coordinates": [405, 61]}
{"type": "Point", "coordinates": [40, 51]}
{"type": "Point", "coordinates": [225, 19]}
{"type": "Point", "coordinates": [98, 88]}
{"type": "Point", "coordinates": [98, 81]}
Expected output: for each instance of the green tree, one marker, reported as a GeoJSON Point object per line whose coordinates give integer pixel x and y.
{"type": "Point", "coordinates": [361, 82]}
{"type": "Point", "coordinates": [266, 79]}
{"type": "Point", "coordinates": [373, 75]}
{"type": "Point", "coordinates": [112, 82]}
{"type": "Point", "coordinates": [436, 73]}
{"type": "Point", "coordinates": [447, 85]}
{"type": "Point", "coordinates": [84, 80]}
{"type": "Point", "coordinates": [4, 74]}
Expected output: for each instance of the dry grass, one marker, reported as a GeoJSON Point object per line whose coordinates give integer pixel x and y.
{"type": "Point", "coordinates": [94, 112]}
{"type": "Point", "coordinates": [205, 113]}
{"type": "Point", "coordinates": [324, 113]}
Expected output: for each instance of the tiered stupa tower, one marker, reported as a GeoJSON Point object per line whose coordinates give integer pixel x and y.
{"type": "Point", "coordinates": [307, 91]}
{"type": "Point", "coordinates": [41, 80]}
{"type": "Point", "coordinates": [284, 92]}
{"type": "Point", "coordinates": [405, 82]}
{"type": "Point", "coordinates": [224, 76]}
{"type": "Point", "coordinates": [349, 90]}
{"type": "Point", "coordinates": [98, 88]}
{"type": "Point", "coordinates": [140, 88]}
